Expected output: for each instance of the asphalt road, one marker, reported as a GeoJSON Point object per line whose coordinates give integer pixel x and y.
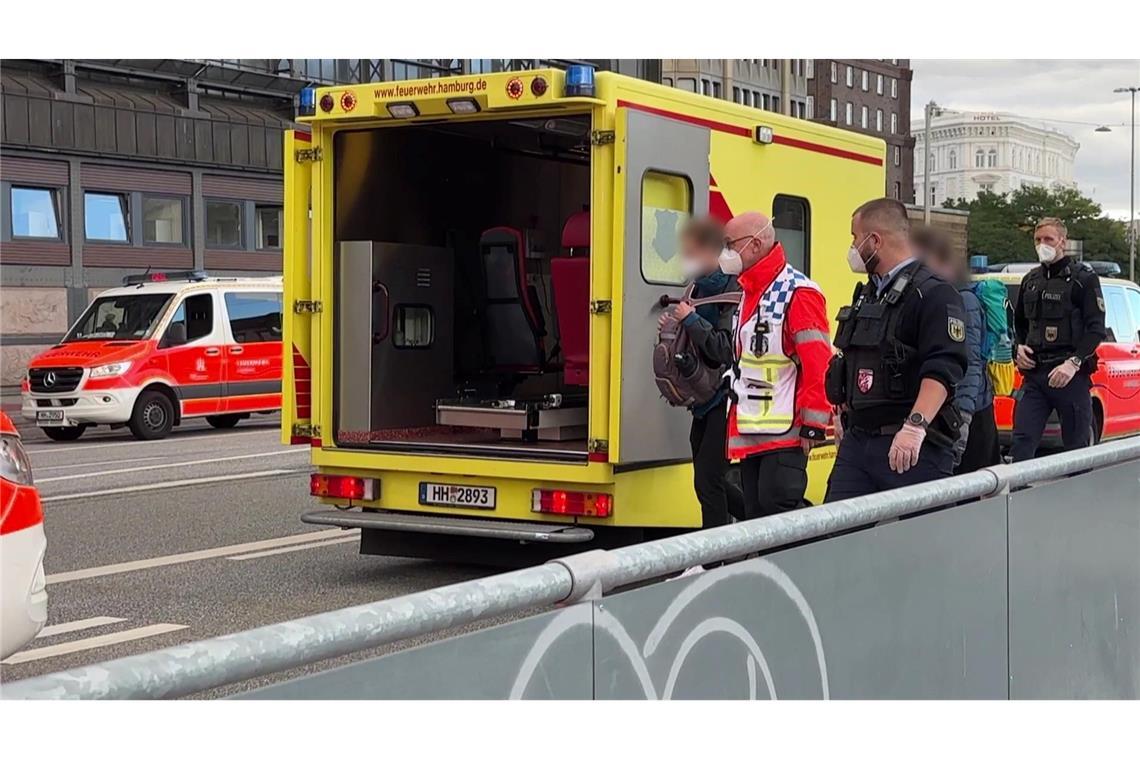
{"type": "Point", "coordinates": [152, 544]}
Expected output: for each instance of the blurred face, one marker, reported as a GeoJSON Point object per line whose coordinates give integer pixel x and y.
{"type": "Point", "coordinates": [944, 269]}
{"type": "Point", "coordinates": [697, 259]}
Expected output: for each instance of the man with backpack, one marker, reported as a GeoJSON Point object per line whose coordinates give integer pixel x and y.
{"type": "Point", "coordinates": [781, 348]}
{"type": "Point", "coordinates": [977, 445]}
{"type": "Point", "coordinates": [690, 360]}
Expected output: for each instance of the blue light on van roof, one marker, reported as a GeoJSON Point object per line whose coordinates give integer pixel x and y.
{"type": "Point", "coordinates": [580, 81]}
{"type": "Point", "coordinates": [307, 105]}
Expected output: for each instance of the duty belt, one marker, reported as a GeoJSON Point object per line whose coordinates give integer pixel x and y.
{"type": "Point", "coordinates": [936, 437]}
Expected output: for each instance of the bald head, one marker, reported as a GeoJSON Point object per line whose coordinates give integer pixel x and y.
{"type": "Point", "coordinates": [751, 235]}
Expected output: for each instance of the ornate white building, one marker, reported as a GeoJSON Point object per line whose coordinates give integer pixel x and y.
{"type": "Point", "coordinates": [1000, 152]}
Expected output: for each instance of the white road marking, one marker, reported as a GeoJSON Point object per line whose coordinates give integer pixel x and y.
{"type": "Point", "coordinates": [49, 448]}
{"type": "Point", "coordinates": [281, 451]}
{"type": "Point", "coordinates": [82, 645]}
{"type": "Point", "coordinates": [287, 549]}
{"type": "Point", "coordinates": [90, 464]}
{"type": "Point", "coordinates": [177, 559]}
{"type": "Point", "coordinates": [76, 625]}
{"type": "Point", "coordinates": [169, 484]}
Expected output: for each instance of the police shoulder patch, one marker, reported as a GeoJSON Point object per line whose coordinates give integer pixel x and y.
{"type": "Point", "coordinates": [956, 329]}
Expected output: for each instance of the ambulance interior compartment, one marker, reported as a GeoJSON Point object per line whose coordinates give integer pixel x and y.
{"type": "Point", "coordinates": [462, 288]}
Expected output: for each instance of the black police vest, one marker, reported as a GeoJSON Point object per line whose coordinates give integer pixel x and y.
{"type": "Point", "coordinates": [880, 368]}
{"type": "Point", "coordinates": [1055, 324]}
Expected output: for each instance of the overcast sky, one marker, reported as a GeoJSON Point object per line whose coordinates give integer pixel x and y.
{"type": "Point", "coordinates": [1069, 90]}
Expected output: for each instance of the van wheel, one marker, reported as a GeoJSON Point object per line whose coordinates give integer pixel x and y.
{"type": "Point", "coordinates": [153, 417]}
{"type": "Point", "coordinates": [64, 433]}
{"type": "Point", "coordinates": [223, 421]}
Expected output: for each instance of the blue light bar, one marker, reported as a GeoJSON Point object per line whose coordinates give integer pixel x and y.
{"type": "Point", "coordinates": [979, 263]}
{"type": "Point", "coordinates": [307, 105]}
{"type": "Point", "coordinates": [580, 81]}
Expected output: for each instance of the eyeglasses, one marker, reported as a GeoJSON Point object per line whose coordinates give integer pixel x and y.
{"type": "Point", "coordinates": [729, 243]}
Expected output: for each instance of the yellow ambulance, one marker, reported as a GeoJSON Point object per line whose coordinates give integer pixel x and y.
{"type": "Point", "coordinates": [474, 267]}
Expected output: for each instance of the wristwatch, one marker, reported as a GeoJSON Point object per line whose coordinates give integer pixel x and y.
{"type": "Point", "coordinates": [1075, 361]}
{"type": "Point", "coordinates": [916, 419]}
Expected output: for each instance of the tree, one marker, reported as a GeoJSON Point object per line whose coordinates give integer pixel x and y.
{"type": "Point", "coordinates": [1001, 226]}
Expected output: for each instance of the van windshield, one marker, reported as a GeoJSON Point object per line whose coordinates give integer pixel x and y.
{"type": "Point", "coordinates": [131, 317]}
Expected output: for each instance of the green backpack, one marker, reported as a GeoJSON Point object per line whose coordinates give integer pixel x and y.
{"type": "Point", "coordinates": [997, 343]}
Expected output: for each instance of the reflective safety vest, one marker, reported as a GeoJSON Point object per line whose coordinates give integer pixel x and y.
{"type": "Point", "coordinates": [766, 374]}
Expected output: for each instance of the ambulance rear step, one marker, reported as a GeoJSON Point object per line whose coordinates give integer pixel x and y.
{"type": "Point", "coordinates": [548, 533]}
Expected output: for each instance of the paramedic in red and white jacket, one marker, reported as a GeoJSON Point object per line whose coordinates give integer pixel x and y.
{"type": "Point", "coordinates": [779, 409]}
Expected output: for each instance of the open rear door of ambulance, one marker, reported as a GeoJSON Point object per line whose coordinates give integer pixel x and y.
{"type": "Point", "coordinates": [298, 303]}
{"type": "Point", "coordinates": [662, 181]}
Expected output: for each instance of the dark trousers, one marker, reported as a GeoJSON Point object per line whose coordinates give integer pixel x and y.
{"type": "Point", "coordinates": [774, 482]}
{"type": "Point", "coordinates": [1073, 405]}
{"type": "Point", "coordinates": [982, 447]}
{"type": "Point", "coordinates": [710, 464]}
{"type": "Point", "coordinates": [861, 466]}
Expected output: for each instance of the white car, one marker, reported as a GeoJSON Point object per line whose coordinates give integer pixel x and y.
{"type": "Point", "coordinates": [23, 592]}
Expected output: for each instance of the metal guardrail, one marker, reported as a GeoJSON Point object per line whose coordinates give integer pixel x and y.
{"type": "Point", "coordinates": [197, 666]}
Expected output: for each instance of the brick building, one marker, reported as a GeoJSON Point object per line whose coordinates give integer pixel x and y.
{"type": "Point", "coordinates": [871, 96]}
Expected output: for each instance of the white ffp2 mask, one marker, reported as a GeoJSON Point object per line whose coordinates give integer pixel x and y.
{"type": "Point", "coordinates": [730, 262]}
{"type": "Point", "coordinates": [1046, 253]}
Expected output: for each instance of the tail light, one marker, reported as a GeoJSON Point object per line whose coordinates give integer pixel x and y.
{"type": "Point", "coordinates": [574, 503]}
{"type": "Point", "coordinates": [344, 487]}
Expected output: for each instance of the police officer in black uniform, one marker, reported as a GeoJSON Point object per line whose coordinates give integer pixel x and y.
{"type": "Point", "coordinates": [1059, 321]}
{"type": "Point", "coordinates": [902, 351]}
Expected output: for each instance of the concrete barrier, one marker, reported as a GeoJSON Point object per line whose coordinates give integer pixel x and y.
{"type": "Point", "coordinates": [1020, 581]}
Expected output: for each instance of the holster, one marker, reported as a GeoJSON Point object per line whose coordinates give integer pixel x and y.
{"type": "Point", "coordinates": [835, 381]}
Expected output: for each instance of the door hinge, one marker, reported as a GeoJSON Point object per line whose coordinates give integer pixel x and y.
{"type": "Point", "coordinates": [307, 307]}
{"type": "Point", "coordinates": [601, 307]}
{"type": "Point", "coordinates": [597, 446]}
{"type": "Point", "coordinates": [301, 430]}
{"type": "Point", "coordinates": [305, 155]}
{"type": "Point", "coordinates": [602, 137]}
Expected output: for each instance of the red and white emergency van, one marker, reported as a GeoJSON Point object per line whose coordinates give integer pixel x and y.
{"type": "Point", "coordinates": [163, 348]}
{"type": "Point", "coordinates": [23, 587]}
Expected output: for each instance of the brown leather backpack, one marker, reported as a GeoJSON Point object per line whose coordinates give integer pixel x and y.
{"type": "Point", "coordinates": [682, 376]}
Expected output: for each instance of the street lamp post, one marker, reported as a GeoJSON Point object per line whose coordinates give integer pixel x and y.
{"type": "Point", "coordinates": [1131, 188]}
{"type": "Point", "coordinates": [930, 109]}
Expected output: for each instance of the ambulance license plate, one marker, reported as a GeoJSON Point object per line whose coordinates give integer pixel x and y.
{"type": "Point", "coordinates": [50, 417]}
{"type": "Point", "coordinates": [447, 495]}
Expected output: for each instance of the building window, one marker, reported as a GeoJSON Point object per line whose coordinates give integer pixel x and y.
{"type": "Point", "coordinates": [809, 68]}
{"type": "Point", "coordinates": [706, 87]}
{"type": "Point", "coordinates": [35, 213]}
{"type": "Point", "coordinates": [688, 84]}
{"type": "Point", "coordinates": [898, 156]}
{"type": "Point", "coordinates": [748, 97]}
{"type": "Point", "coordinates": [894, 124]}
{"type": "Point", "coordinates": [834, 73]}
{"type": "Point", "coordinates": [863, 116]}
{"type": "Point", "coordinates": [736, 95]}
{"type": "Point", "coordinates": [991, 158]}
{"type": "Point", "coordinates": [952, 159]}
{"type": "Point", "coordinates": [878, 119]}
{"type": "Point", "coordinates": [834, 110]}
{"type": "Point", "coordinates": [667, 81]}
{"type": "Point", "coordinates": [716, 90]}
{"type": "Point", "coordinates": [106, 217]}
{"type": "Point", "coordinates": [896, 190]}
{"type": "Point", "coordinates": [933, 196]}
{"type": "Point", "coordinates": [879, 84]}
{"type": "Point", "coordinates": [255, 317]}
{"type": "Point", "coordinates": [268, 228]}
{"type": "Point", "coordinates": [791, 218]}
{"type": "Point", "coordinates": [849, 111]}
{"type": "Point", "coordinates": [776, 103]}
{"type": "Point", "coordinates": [933, 162]}
{"type": "Point", "coordinates": [766, 101]}
{"type": "Point", "coordinates": [162, 221]}
{"type": "Point", "coordinates": [980, 159]}
{"type": "Point", "coordinates": [866, 81]}
{"type": "Point", "coordinates": [223, 224]}
{"type": "Point", "coordinates": [850, 77]}
{"type": "Point", "coordinates": [895, 89]}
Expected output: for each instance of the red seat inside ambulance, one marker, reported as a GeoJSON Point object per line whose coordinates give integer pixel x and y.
{"type": "Point", "coordinates": [570, 278]}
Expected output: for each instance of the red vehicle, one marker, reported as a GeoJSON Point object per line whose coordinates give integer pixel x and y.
{"type": "Point", "coordinates": [23, 588]}
{"type": "Point", "coordinates": [159, 350]}
{"type": "Point", "coordinates": [1116, 382]}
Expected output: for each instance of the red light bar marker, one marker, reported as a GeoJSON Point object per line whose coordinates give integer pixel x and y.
{"type": "Point", "coordinates": [344, 487]}
{"type": "Point", "coordinates": [574, 503]}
